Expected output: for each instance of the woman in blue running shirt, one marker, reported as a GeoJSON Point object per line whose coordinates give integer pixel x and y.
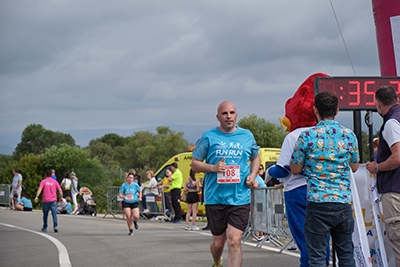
{"type": "Point", "coordinates": [130, 201]}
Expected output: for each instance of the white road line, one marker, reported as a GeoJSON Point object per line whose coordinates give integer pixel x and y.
{"type": "Point", "coordinates": [62, 250]}
{"type": "Point", "coordinates": [265, 247]}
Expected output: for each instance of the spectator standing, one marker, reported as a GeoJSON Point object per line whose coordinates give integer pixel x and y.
{"type": "Point", "coordinates": [164, 185]}
{"type": "Point", "coordinates": [176, 184]}
{"type": "Point", "coordinates": [376, 145]}
{"type": "Point", "coordinates": [295, 194]}
{"type": "Point", "coordinates": [260, 180]}
{"type": "Point", "coordinates": [192, 186]}
{"type": "Point", "coordinates": [259, 183]}
{"type": "Point", "coordinates": [24, 204]}
{"type": "Point", "coordinates": [227, 150]}
{"type": "Point", "coordinates": [66, 185]}
{"type": "Point", "coordinates": [49, 199]}
{"type": "Point", "coordinates": [387, 165]}
{"type": "Point", "coordinates": [329, 153]}
{"type": "Point", "coordinates": [15, 186]}
{"type": "Point", "coordinates": [53, 174]}
{"type": "Point", "coordinates": [153, 192]}
{"type": "Point", "coordinates": [129, 192]}
{"type": "Point", "coordinates": [74, 190]}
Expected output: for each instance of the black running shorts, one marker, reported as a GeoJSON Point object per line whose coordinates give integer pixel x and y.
{"type": "Point", "coordinates": [130, 205]}
{"type": "Point", "coordinates": [219, 216]}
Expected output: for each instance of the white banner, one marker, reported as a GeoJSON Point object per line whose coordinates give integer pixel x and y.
{"type": "Point", "coordinates": [366, 203]}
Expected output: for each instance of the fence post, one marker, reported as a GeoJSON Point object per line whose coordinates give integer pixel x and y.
{"type": "Point", "coordinates": [5, 195]}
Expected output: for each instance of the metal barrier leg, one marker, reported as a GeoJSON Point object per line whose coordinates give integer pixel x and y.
{"type": "Point", "coordinates": [286, 245]}
{"type": "Point", "coordinates": [109, 212]}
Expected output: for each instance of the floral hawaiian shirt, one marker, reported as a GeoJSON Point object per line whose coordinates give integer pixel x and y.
{"type": "Point", "coordinates": [326, 151]}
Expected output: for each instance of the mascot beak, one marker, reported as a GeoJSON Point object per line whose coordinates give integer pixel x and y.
{"type": "Point", "coordinates": [285, 122]}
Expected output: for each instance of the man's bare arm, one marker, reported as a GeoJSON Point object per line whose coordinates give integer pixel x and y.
{"type": "Point", "coordinates": [393, 162]}
{"type": "Point", "coordinates": [296, 169]}
{"type": "Point", "coordinates": [254, 167]}
{"type": "Point", "coordinates": [200, 166]}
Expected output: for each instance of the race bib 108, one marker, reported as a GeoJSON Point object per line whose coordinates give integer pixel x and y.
{"type": "Point", "coordinates": [230, 176]}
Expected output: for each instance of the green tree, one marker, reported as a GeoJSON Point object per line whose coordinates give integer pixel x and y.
{"type": "Point", "coordinates": [32, 171]}
{"type": "Point", "coordinates": [104, 153]}
{"type": "Point", "coordinates": [152, 150]}
{"type": "Point", "coordinates": [35, 139]}
{"type": "Point", "coordinates": [267, 134]}
{"type": "Point", "coordinates": [111, 139]}
{"type": "Point", "coordinates": [66, 158]}
{"type": "Point", "coordinates": [146, 150]}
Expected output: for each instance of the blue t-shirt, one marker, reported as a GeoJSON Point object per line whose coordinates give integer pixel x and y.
{"type": "Point", "coordinates": [326, 150]}
{"type": "Point", "coordinates": [260, 181]}
{"type": "Point", "coordinates": [130, 192]}
{"type": "Point", "coordinates": [237, 148]}
{"type": "Point", "coordinates": [68, 207]}
{"type": "Point", "coordinates": [26, 202]}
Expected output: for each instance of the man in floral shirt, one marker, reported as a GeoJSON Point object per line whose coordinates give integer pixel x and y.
{"type": "Point", "coordinates": [327, 152]}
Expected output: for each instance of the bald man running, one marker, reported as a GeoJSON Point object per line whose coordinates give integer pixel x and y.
{"type": "Point", "coordinates": [227, 150]}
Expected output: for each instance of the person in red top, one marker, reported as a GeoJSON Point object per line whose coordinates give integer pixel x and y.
{"type": "Point", "coordinates": [49, 199]}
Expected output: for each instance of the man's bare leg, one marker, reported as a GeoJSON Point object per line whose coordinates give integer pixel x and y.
{"type": "Point", "coordinates": [235, 256]}
{"type": "Point", "coordinates": [217, 247]}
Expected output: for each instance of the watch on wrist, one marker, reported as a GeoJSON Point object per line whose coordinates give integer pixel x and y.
{"type": "Point", "coordinates": [377, 168]}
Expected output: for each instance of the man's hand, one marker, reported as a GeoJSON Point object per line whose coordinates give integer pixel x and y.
{"type": "Point", "coordinates": [250, 181]}
{"type": "Point", "coordinates": [220, 166]}
{"type": "Point", "coordinates": [371, 167]}
{"type": "Point", "coordinates": [278, 186]}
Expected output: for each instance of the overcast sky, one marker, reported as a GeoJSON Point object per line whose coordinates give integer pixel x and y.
{"type": "Point", "coordinates": [134, 65]}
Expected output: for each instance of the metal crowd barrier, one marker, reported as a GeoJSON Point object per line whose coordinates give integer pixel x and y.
{"type": "Point", "coordinates": [113, 204]}
{"type": "Point", "coordinates": [267, 215]}
{"type": "Point", "coordinates": [5, 195]}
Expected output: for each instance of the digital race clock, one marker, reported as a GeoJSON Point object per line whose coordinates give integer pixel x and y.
{"type": "Point", "coordinates": [355, 93]}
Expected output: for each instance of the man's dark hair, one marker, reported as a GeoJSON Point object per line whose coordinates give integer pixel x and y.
{"type": "Point", "coordinates": [326, 104]}
{"type": "Point", "coordinates": [16, 170]}
{"type": "Point", "coordinates": [175, 165]}
{"type": "Point", "coordinates": [386, 95]}
{"type": "Point", "coordinates": [48, 173]}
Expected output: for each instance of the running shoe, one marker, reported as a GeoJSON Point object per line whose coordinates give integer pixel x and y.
{"type": "Point", "coordinates": [221, 260]}
{"type": "Point", "coordinates": [187, 228]}
{"type": "Point", "coordinates": [177, 221]}
{"type": "Point", "coordinates": [44, 229]}
{"type": "Point", "coordinates": [136, 225]}
{"type": "Point", "coordinates": [130, 232]}
{"type": "Point", "coordinates": [55, 229]}
{"type": "Point", "coordinates": [195, 228]}
{"type": "Point", "coordinates": [145, 210]}
{"type": "Point", "coordinates": [206, 227]}
{"type": "Point", "coordinates": [154, 219]}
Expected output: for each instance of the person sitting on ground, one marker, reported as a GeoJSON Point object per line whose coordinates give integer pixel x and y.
{"type": "Point", "coordinates": [23, 204]}
{"type": "Point", "coordinates": [67, 209]}
{"type": "Point", "coordinates": [61, 203]}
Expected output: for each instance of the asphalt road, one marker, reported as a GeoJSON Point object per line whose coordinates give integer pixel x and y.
{"type": "Point", "coordinates": [94, 241]}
